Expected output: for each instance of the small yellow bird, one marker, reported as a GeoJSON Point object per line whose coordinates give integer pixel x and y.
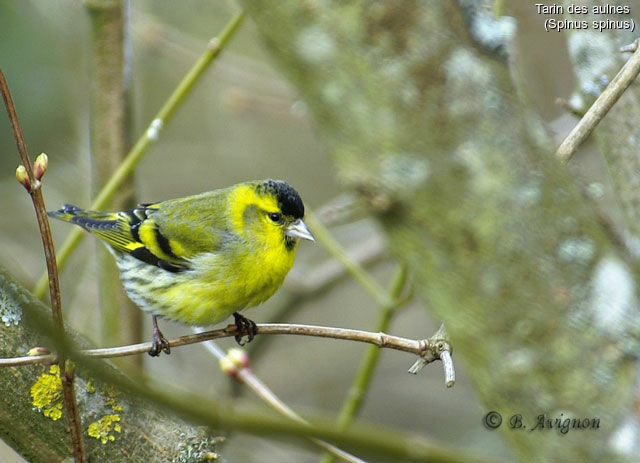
{"type": "Point", "coordinates": [199, 259]}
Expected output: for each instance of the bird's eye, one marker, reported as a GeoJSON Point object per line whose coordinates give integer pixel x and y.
{"type": "Point", "coordinates": [275, 216]}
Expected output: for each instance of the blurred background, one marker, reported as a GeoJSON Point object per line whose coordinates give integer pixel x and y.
{"type": "Point", "coordinates": [242, 122]}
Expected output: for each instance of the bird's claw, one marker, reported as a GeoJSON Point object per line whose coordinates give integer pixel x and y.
{"type": "Point", "coordinates": [244, 326]}
{"type": "Point", "coordinates": [158, 342]}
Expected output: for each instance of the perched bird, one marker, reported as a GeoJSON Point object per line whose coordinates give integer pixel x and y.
{"type": "Point", "coordinates": [199, 259]}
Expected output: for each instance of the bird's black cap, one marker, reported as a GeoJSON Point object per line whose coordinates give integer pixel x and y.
{"type": "Point", "coordinates": [288, 198]}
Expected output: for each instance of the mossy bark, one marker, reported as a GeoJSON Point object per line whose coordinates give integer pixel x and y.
{"type": "Point", "coordinates": [146, 432]}
{"type": "Point", "coordinates": [416, 103]}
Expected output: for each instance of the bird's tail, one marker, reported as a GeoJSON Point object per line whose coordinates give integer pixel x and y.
{"type": "Point", "coordinates": [89, 220]}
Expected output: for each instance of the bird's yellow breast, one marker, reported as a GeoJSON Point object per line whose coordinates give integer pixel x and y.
{"type": "Point", "coordinates": [219, 285]}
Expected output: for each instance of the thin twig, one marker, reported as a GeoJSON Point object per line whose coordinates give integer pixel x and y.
{"type": "Point", "coordinates": [449, 372]}
{"type": "Point", "coordinates": [421, 347]}
{"type": "Point", "coordinates": [600, 108]}
{"type": "Point", "coordinates": [215, 46]}
{"type": "Point", "coordinates": [443, 351]}
{"type": "Point", "coordinates": [35, 191]}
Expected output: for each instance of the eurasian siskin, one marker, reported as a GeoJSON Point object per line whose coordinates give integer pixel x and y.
{"type": "Point", "coordinates": [199, 259]}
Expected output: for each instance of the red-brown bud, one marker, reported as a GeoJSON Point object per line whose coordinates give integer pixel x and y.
{"type": "Point", "coordinates": [38, 351]}
{"type": "Point", "coordinates": [40, 166]}
{"type": "Point", "coordinates": [239, 358]}
{"type": "Point", "coordinates": [22, 177]}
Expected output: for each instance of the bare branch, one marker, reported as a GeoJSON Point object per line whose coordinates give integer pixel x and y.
{"type": "Point", "coordinates": [600, 108]}
{"type": "Point", "coordinates": [428, 349]}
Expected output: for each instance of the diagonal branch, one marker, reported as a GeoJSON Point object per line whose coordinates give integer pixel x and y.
{"type": "Point", "coordinates": [600, 107]}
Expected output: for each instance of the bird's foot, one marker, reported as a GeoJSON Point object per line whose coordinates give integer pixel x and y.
{"type": "Point", "coordinates": [158, 342]}
{"type": "Point", "coordinates": [244, 326]}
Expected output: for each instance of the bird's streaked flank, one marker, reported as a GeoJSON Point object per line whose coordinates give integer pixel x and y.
{"type": "Point", "coordinates": [199, 259]}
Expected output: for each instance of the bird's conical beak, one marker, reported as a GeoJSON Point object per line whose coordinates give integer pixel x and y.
{"type": "Point", "coordinates": [298, 229]}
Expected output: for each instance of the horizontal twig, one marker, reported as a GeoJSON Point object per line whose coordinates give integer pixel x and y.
{"type": "Point", "coordinates": [425, 348]}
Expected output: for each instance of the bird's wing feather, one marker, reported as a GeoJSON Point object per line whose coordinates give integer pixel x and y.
{"type": "Point", "coordinates": [133, 232]}
{"type": "Point", "coordinates": [196, 224]}
{"type": "Point", "coordinates": [167, 234]}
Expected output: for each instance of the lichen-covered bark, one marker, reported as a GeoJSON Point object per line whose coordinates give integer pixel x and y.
{"type": "Point", "coordinates": [131, 429]}
{"type": "Point", "coordinates": [418, 109]}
